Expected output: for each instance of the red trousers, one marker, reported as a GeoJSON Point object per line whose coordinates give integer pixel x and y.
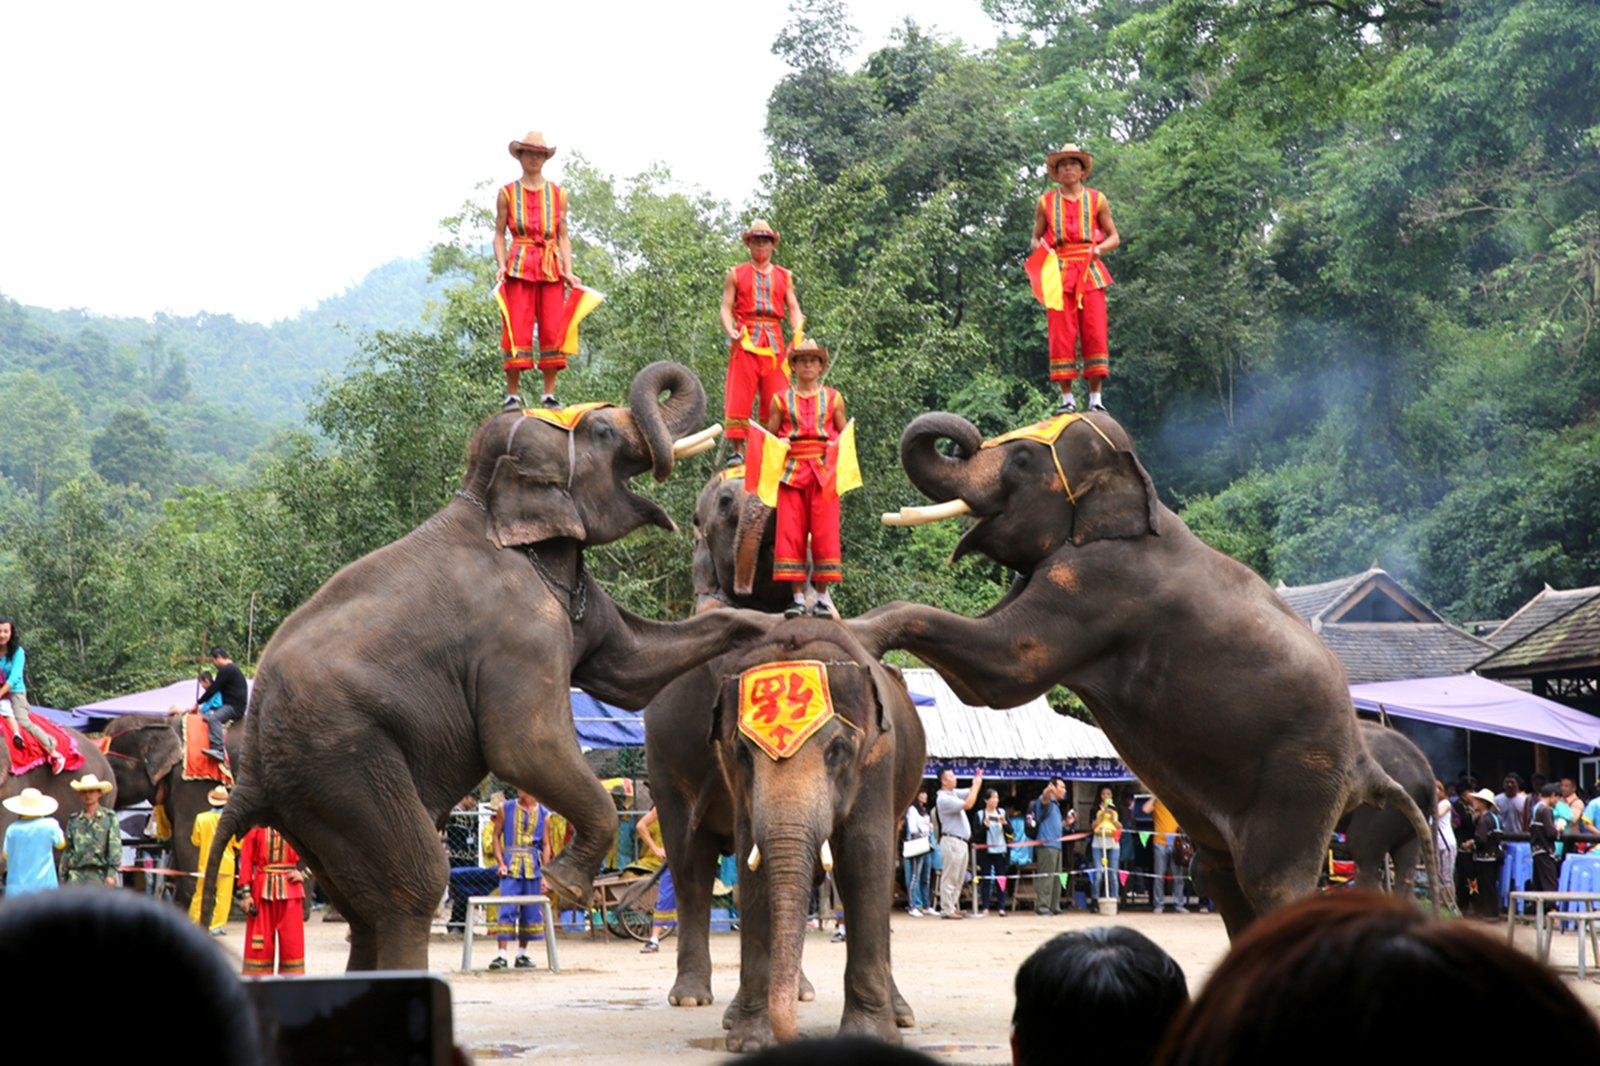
{"type": "Point", "coordinates": [277, 924]}
{"type": "Point", "coordinates": [808, 509]}
{"type": "Point", "coordinates": [748, 376]}
{"type": "Point", "coordinates": [530, 306]}
{"type": "Point", "coordinates": [1070, 324]}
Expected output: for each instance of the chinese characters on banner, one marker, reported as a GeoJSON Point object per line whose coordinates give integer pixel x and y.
{"type": "Point", "coordinates": [782, 704]}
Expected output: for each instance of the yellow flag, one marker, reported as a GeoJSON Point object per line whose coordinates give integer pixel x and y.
{"type": "Point", "coordinates": [580, 302]}
{"type": "Point", "coordinates": [846, 470]}
{"type": "Point", "coordinates": [764, 460]}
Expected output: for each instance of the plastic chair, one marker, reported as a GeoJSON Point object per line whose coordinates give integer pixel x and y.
{"type": "Point", "coordinates": [1516, 871]}
{"type": "Point", "coordinates": [1579, 873]}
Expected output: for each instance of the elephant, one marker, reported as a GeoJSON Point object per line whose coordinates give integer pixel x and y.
{"type": "Point", "coordinates": [56, 786]}
{"type": "Point", "coordinates": [144, 753]}
{"type": "Point", "coordinates": [1216, 695]}
{"type": "Point", "coordinates": [449, 653]}
{"type": "Point", "coordinates": [1372, 834]}
{"type": "Point", "coordinates": [841, 793]}
{"type": "Point", "coordinates": [734, 533]}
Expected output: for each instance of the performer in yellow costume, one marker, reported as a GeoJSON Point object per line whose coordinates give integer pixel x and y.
{"type": "Point", "coordinates": [205, 831]}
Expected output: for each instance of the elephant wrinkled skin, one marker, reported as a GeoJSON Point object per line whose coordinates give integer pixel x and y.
{"type": "Point", "coordinates": [449, 653]}
{"type": "Point", "coordinates": [1216, 695]}
{"type": "Point", "coordinates": [845, 789]}
{"type": "Point", "coordinates": [1373, 834]}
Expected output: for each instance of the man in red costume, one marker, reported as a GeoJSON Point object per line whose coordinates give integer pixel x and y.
{"type": "Point", "coordinates": [534, 269]}
{"type": "Point", "coordinates": [1074, 221]}
{"type": "Point", "coordinates": [810, 416]}
{"type": "Point", "coordinates": [756, 296]}
{"type": "Point", "coordinates": [273, 894]}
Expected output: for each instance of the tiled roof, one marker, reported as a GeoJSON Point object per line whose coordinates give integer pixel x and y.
{"type": "Point", "coordinates": [1540, 611]}
{"type": "Point", "coordinates": [1395, 651]}
{"type": "Point", "coordinates": [1033, 731]}
{"type": "Point", "coordinates": [1571, 639]}
{"type": "Point", "coordinates": [1309, 601]}
{"type": "Point", "coordinates": [1330, 601]}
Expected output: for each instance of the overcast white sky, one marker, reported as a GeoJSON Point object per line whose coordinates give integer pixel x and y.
{"type": "Point", "coordinates": [253, 159]}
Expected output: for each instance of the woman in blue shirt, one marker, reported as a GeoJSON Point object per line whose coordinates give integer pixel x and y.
{"type": "Point", "coordinates": [31, 843]}
{"type": "Point", "coordinates": [14, 694]}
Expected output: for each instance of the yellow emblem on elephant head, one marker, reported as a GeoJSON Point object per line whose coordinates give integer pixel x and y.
{"type": "Point", "coordinates": [781, 705]}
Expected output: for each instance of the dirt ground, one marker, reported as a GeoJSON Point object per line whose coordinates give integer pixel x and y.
{"type": "Point", "coordinates": [608, 1004]}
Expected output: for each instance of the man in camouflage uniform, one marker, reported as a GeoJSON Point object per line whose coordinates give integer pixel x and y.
{"type": "Point", "coordinates": [94, 840]}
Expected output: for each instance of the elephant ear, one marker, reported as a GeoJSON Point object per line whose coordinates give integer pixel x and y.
{"type": "Point", "coordinates": [160, 758]}
{"type": "Point", "coordinates": [526, 509]}
{"type": "Point", "coordinates": [884, 681]}
{"type": "Point", "coordinates": [1117, 500]}
{"type": "Point", "coordinates": [727, 702]}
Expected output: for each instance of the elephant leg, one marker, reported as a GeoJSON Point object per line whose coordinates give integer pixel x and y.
{"type": "Point", "coordinates": [746, 1019]}
{"type": "Point", "coordinates": [1405, 858]}
{"type": "Point", "coordinates": [536, 750]}
{"type": "Point", "coordinates": [864, 872]}
{"type": "Point", "coordinates": [363, 937]}
{"type": "Point", "coordinates": [1220, 884]}
{"type": "Point", "coordinates": [904, 1016]}
{"type": "Point", "coordinates": [1277, 860]}
{"type": "Point", "coordinates": [692, 857]}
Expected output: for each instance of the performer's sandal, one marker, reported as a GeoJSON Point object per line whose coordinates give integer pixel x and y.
{"type": "Point", "coordinates": [512, 402]}
{"type": "Point", "coordinates": [795, 610]}
{"type": "Point", "coordinates": [1067, 406]}
{"type": "Point", "coordinates": [523, 963]}
{"type": "Point", "coordinates": [1096, 405]}
{"type": "Point", "coordinates": [550, 401]}
{"type": "Point", "coordinates": [499, 964]}
{"type": "Point", "coordinates": [736, 459]}
{"type": "Point", "coordinates": [821, 610]}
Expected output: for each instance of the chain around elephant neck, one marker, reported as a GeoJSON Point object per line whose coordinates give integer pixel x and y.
{"type": "Point", "coordinates": [463, 494]}
{"type": "Point", "coordinates": [577, 593]}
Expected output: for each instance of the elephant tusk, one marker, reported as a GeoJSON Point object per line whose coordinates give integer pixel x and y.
{"type": "Point", "coordinates": [919, 516]}
{"type": "Point", "coordinates": [690, 445]}
{"type": "Point", "coordinates": [754, 861]}
{"type": "Point", "coordinates": [694, 449]}
{"type": "Point", "coordinates": [827, 857]}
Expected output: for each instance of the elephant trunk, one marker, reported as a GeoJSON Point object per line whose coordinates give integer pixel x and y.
{"type": "Point", "coordinates": [753, 515]}
{"type": "Point", "coordinates": [659, 421]}
{"type": "Point", "coordinates": [788, 862]}
{"type": "Point", "coordinates": [942, 477]}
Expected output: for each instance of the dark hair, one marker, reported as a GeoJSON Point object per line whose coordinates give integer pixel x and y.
{"type": "Point", "coordinates": [1550, 790]}
{"type": "Point", "coordinates": [129, 939]}
{"type": "Point", "coordinates": [1356, 961]}
{"type": "Point", "coordinates": [1120, 982]}
{"type": "Point", "coordinates": [839, 1051]}
{"type": "Point", "coordinates": [10, 648]}
{"type": "Point", "coordinates": [218, 651]}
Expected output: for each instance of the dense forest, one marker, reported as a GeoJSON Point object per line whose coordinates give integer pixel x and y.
{"type": "Point", "coordinates": [1354, 319]}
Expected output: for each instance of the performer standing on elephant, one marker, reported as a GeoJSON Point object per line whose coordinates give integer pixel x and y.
{"type": "Point", "coordinates": [274, 887]}
{"type": "Point", "coordinates": [14, 696]}
{"type": "Point", "coordinates": [204, 832]}
{"type": "Point", "coordinates": [756, 297]}
{"type": "Point", "coordinates": [94, 840]}
{"type": "Point", "coordinates": [811, 416]}
{"type": "Point", "coordinates": [521, 848]}
{"type": "Point", "coordinates": [1074, 222]}
{"type": "Point", "coordinates": [534, 270]}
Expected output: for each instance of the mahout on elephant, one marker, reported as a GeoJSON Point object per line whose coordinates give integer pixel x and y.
{"type": "Point", "coordinates": [448, 654]}
{"type": "Point", "coordinates": [834, 799]}
{"type": "Point", "coordinates": [1216, 695]}
{"type": "Point", "coordinates": [147, 758]}
{"type": "Point", "coordinates": [1374, 834]}
{"type": "Point", "coordinates": [57, 786]}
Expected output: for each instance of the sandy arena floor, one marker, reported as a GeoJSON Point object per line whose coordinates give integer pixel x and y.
{"type": "Point", "coordinates": [608, 1005]}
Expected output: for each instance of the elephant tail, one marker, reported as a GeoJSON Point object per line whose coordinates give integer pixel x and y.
{"type": "Point", "coordinates": [244, 810]}
{"type": "Point", "coordinates": [1381, 790]}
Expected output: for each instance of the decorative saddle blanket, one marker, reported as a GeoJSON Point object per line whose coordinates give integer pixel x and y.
{"type": "Point", "coordinates": [197, 765]}
{"type": "Point", "coordinates": [32, 753]}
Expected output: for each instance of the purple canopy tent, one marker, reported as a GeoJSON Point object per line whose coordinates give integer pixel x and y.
{"type": "Point", "coordinates": [1467, 701]}
{"type": "Point", "coordinates": [152, 701]}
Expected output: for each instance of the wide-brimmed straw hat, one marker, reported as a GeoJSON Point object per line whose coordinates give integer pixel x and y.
{"type": "Point", "coordinates": [532, 141]}
{"type": "Point", "coordinates": [31, 803]}
{"type": "Point", "coordinates": [1483, 794]}
{"type": "Point", "coordinates": [809, 347]}
{"type": "Point", "coordinates": [760, 227]}
{"type": "Point", "coordinates": [91, 783]}
{"type": "Point", "coordinates": [1069, 151]}
{"type": "Point", "coordinates": [217, 797]}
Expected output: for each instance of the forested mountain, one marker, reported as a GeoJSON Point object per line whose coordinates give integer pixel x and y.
{"type": "Point", "coordinates": [1354, 316]}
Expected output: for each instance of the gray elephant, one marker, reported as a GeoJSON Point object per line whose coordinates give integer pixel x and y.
{"type": "Point", "coordinates": [449, 653]}
{"type": "Point", "coordinates": [57, 786]}
{"type": "Point", "coordinates": [146, 755]}
{"type": "Point", "coordinates": [835, 797]}
{"type": "Point", "coordinates": [1214, 692]}
{"type": "Point", "coordinates": [1373, 834]}
{"type": "Point", "coordinates": [733, 542]}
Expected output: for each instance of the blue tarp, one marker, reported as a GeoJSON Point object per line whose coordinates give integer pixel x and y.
{"type": "Point", "coordinates": [601, 725]}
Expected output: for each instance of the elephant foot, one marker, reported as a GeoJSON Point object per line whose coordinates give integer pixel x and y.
{"type": "Point", "coordinates": [692, 991]}
{"type": "Point", "coordinates": [808, 991]}
{"type": "Point", "coordinates": [903, 1015]}
{"type": "Point", "coordinates": [878, 1025]}
{"type": "Point", "coordinates": [747, 1030]}
{"type": "Point", "coordinates": [567, 880]}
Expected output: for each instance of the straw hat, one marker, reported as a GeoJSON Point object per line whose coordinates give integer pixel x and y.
{"type": "Point", "coordinates": [91, 783]}
{"type": "Point", "coordinates": [532, 141]}
{"type": "Point", "coordinates": [1483, 794]}
{"type": "Point", "coordinates": [1069, 151]}
{"type": "Point", "coordinates": [809, 347]}
{"type": "Point", "coordinates": [217, 797]}
{"type": "Point", "coordinates": [31, 803]}
{"type": "Point", "coordinates": [760, 227]}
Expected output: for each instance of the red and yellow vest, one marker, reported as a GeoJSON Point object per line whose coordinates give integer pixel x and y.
{"type": "Point", "coordinates": [1073, 231]}
{"type": "Point", "coordinates": [265, 861]}
{"type": "Point", "coordinates": [534, 216]}
{"type": "Point", "coordinates": [808, 423]}
{"type": "Point", "coordinates": [760, 302]}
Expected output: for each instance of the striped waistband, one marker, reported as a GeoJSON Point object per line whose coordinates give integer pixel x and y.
{"type": "Point", "coordinates": [807, 448]}
{"type": "Point", "coordinates": [1074, 249]}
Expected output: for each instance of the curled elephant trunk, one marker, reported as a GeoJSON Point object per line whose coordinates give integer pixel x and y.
{"type": "Point", "coordinates": [943, 478]}
{"type": "Point", "coordinates": [753, 516]}
{"type": "Point", "coordinates": [789, 864]}
{"type": "Point", "coordinates": [662, 422]}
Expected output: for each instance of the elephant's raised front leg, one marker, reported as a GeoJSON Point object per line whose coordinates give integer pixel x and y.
{"type": "Point", "coordinates": [864, 872]}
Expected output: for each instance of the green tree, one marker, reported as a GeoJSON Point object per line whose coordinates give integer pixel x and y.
{"type": "Point", "coordinates": [132, 450]}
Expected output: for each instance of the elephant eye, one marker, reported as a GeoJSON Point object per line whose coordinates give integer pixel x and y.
{"type": "Point", "coordinates": [742, 753]}
{"type": "Point", "coordinates": [839, 752]}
